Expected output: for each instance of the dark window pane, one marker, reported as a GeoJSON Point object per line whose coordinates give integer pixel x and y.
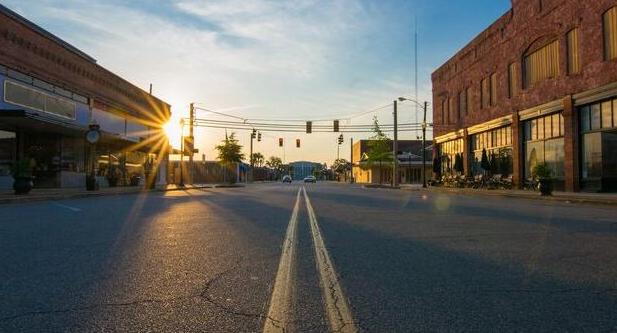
{"type": "Point", "coordinates": [585, 121]}
{"type": "Point", "coordinates": [595, 117]}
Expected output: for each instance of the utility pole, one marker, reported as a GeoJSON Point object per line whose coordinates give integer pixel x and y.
{"type": "Point", "coordinates": [251, 156]}
{"type": "Point", "coordinates": [181, 152]}
{"type": "Point", "coordinates": [351, 161]}
{"type": "Point", "coordinates": [424, 147]}
{"type": "Point", "coordinates": [192, 140]}
{"type": "Point", "coordinates": [395, 148]}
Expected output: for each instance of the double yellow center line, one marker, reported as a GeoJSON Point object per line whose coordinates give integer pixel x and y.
{"type": "Point", "coordinates": [335, 303]}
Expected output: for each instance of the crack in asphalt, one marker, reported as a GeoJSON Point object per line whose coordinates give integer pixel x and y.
{"type": "Point", "coordinates": [202, 294]}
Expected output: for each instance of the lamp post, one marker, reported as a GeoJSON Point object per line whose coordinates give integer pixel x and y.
{"type": "Point", "coordinates": [181, 151]}
{"type": "Point", "coordinates": [424, 124]}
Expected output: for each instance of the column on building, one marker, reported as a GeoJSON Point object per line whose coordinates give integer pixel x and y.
{"type": "Point", "coordinates": [571, 147]}
{"type": "Point", "coordinates": [517, 152]}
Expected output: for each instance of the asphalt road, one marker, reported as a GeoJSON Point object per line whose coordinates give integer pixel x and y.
{"type": "Point", "coordinates": [264, 258]}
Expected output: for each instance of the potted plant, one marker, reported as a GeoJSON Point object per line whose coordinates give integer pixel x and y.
{"type": "Point", "coordinates": [22, 177]}
{"type": "Point", "coordinates": [544, 174]}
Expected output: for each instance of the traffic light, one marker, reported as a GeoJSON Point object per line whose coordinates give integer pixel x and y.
{"type": "Point", "coordinates": [254, 134]}
{"type": "Point", "coordinates": [340, 139]}
{"type": "Point", "coordinates": [297, 143]}
{"type": "Point", "coordinates": [259, 137]}
{"type": "Point", "coordinates": [280, 142]}
{"type": "Point", "coordinates": [309, 127]}
{"type": "Point", "coordinates": [336, 129]}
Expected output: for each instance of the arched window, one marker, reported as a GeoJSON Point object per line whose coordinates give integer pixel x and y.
{"type": "Point", "coordinates": [609, 20]}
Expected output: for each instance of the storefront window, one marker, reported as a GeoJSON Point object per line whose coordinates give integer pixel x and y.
{"type": "Point", "coordinates": [607, 117]}
{"type": "Point", "coordinates": [73, 154]}
{"type": "Point", "coordinates": [592, 155]}
{"type": "Point", "coordinates": [8, 149]}
{"type": "Point", "coordinates": [498, 149]}
{"type": "Point", "coordinates": [547, 146]}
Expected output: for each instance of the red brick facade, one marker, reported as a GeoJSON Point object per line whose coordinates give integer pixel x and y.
{"type": "Point", "coordinates": [37, 53]}
{"type": "Point", "coordinates": [529, 25]}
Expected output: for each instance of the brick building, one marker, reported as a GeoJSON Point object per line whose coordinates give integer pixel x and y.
{"type": "Point", "coordinates": [50, 92]}
{"type": "Point", "coordinates": [538, 85]}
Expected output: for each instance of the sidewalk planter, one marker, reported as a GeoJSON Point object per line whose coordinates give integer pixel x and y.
{"type": "Point", "coordinates": [91, 183]}
{"type": "Point", "coordinates": [545, 178]}
{"type": "Point", "coordinates": [546, 186]}
{"type": "Point", "coordinates": [22, 185]}
{"type": "Point", "coordinates": [22, 177]}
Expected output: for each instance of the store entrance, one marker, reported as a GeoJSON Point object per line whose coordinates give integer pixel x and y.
{"type": "Point", "coordinates": [43, 150]}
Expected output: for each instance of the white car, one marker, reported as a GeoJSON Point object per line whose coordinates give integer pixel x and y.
{"type": "Point", "coordinates": [310, 179]}
{"type": "Point", "coordinates": [287, 179]}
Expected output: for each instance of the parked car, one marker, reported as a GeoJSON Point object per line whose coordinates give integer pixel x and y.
{"type": "Point", "coordinates": [310, 179]}
{"type": "Point", "coordinates": [287, 179]}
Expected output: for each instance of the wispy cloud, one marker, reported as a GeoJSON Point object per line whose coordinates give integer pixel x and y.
{"type": "Point", "coordinates": [289, 58]}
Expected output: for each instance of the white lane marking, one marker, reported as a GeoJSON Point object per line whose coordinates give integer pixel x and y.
{"type": "Point", "coordinates": [74, 209]}
{"type": "Point", "coordinates": [337, 308]}
{"type": "Point", "coordinates": [280, 302]}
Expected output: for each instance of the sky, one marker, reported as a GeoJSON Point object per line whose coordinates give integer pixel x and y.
{"type": "Point", "coordinates": [296, 59]}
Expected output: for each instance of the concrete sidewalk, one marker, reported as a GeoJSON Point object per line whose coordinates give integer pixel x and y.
{"type": "Point", "coordinates": [574, 197]}
{"type": "Point", "coordinates": [70, 193]}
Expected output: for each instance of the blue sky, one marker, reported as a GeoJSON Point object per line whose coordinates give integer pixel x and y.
{"type": "Point", "coordinates": [304, 59]}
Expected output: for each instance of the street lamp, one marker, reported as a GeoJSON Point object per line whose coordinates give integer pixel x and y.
{"type": "Point", "coordinates": [181, 151]}
{"type": "Point", "coordinates": [424, 106]}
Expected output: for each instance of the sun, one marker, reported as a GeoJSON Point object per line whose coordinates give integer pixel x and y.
{"type": "Point", "coordinates": [173, 132]}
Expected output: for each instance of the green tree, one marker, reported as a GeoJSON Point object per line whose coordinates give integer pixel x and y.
{"type": "Point", "coordinates": [276, 164]}
{"type": "Point", "coordinates": [340, 167]}
{"type": "Point", "coordinates": [257, 160]}
{"type": "Point", "coordinates": [379, 149]}
{"type": "Point", "coordinates": [229, 152]}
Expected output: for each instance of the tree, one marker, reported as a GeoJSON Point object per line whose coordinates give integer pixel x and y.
{"type": "Point", "coordinates": [484, 163]}
{"type": "Point", "coordinates": [379, 149]}
{"type": "Point", "coordinates": [257, 159]}
{"type": "Point", "coordinates": [458, 163]}
{"type": "Point", "coordinates": [229, 152]}
{"type": "Point", "coordinates": [341, 166]}
{"type": "Point", "coordinates": [276, 164]}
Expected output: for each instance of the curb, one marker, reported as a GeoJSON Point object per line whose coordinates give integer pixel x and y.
{"type": "Point", "coordinates": [564, 199]}
{"type": "Point", "coordinates": [26, 199]}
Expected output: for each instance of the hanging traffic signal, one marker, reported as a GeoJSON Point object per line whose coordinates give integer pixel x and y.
{"type": "Point", "coordinates": [309, 127]}
{"type": "Point", "coordinates": [340, 139]}
{"type": "Point", "coordinates": [280, 142]}
{"type": "Point", "coordinates": [259, 137]}
{"type": "Point", "coordinates": [297, 143]}
{"type": "Point", "coordinates": [336, 127]}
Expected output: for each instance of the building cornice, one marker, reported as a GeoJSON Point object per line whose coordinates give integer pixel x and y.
{"type": "Point", "coordinates": [540, 110]}
{"type": "Point", "coordinates": [491, 124]}
{"type": "Point", "coordinates": [593, 95]}
{"type": "Point", "coordinates": [449, 136]}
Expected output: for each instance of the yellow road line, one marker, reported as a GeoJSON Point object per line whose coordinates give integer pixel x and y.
{"type": "Point", "coordinates": [336, 305]}
{"type": "Point", "coordinates": [280, 302]}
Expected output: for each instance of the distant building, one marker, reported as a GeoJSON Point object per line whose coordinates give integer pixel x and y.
{"type": "Point", "coordinates": [50, 92]}
{"type": "Point", "coordinates": [301, 169]}
{"type": "Point", "coordinates": [538, 85]}
{"type": "Point", "coordinates": [409, 162]}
